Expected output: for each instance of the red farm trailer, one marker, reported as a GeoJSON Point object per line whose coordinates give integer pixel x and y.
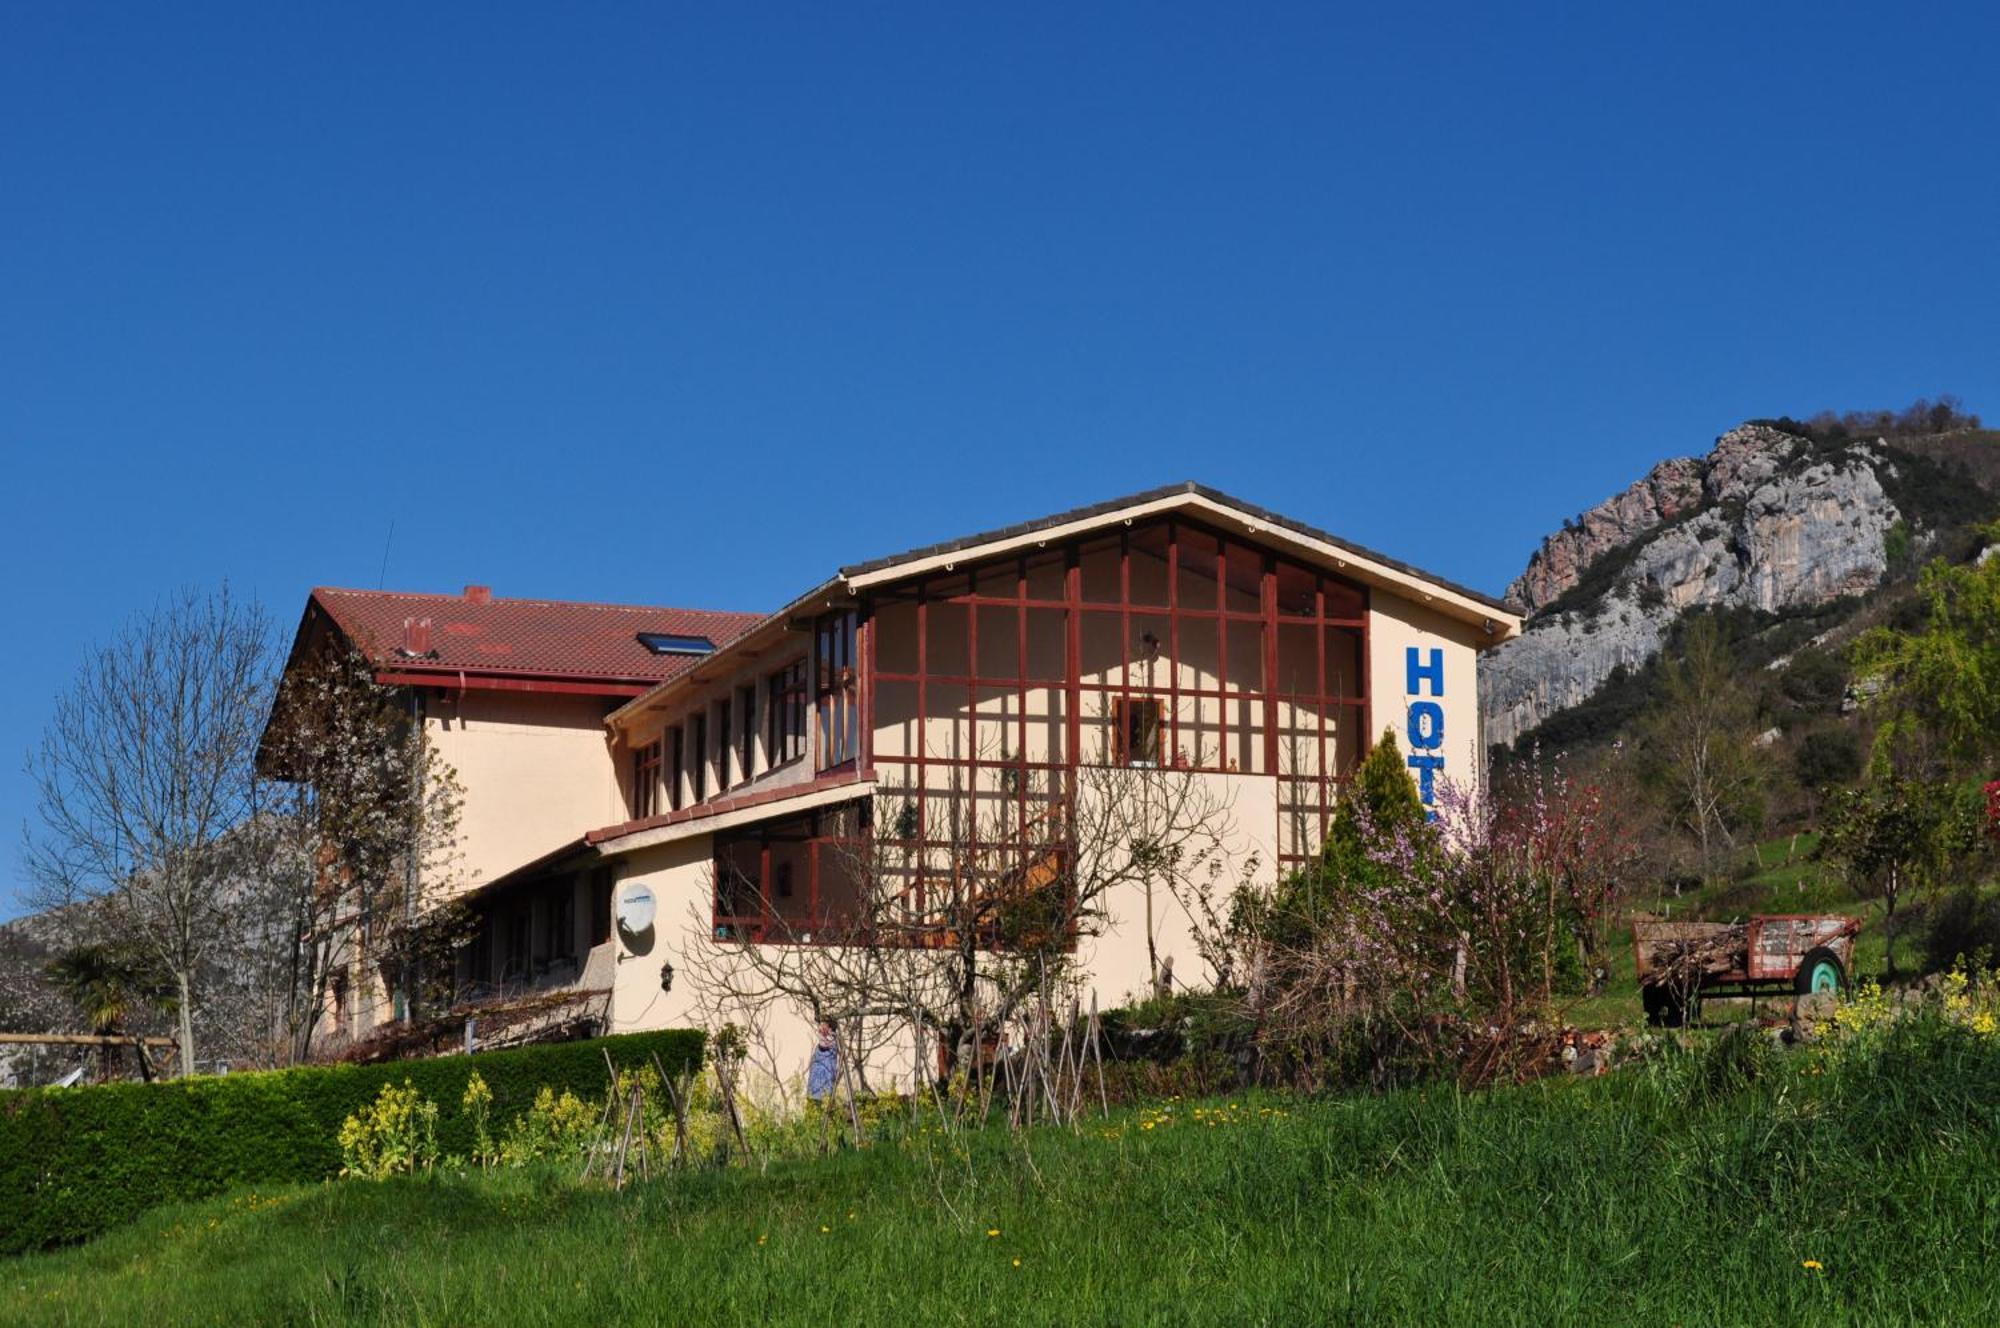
{"type": "Point", "coordinates": [1771, 954]}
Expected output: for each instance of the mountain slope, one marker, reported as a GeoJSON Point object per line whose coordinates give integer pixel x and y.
{"type": "Point", "coordinates": [1778, 519]}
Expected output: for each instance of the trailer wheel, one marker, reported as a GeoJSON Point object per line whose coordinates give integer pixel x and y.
{"type": "Point", "coordinates": [1664, 1007]}
{"type": "Point", "coordinates": [1820, 971]}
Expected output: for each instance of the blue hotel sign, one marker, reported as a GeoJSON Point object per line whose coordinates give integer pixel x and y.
{"type": "Point", "coordinates": [1424, 678]}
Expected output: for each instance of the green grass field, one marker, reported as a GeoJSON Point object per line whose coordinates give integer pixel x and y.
{"type": "Point", "coordinates": [1688, 1190]}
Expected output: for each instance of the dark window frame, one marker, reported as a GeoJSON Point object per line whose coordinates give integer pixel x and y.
{"type": "Point", "coordinates": [837, 688]}
{"type": "Point", "coordinates": [746, 702]}
{"type": "Point", "coordinates": [647, 762]}
{"type": "Point", "coordinates": [1140, 728]}
{"type": "Point", "coordinates": [785, 713]}
{"type": "Point", "coordinates": [725, 747]}
{"type": "Point", "coordinates": [698, 740]}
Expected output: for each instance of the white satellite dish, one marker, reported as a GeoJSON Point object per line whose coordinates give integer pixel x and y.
{"type": "Point", "coordinates": [635, 909]}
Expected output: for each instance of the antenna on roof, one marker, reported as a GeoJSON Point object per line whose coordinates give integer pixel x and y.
{"type": "Point", "coordinates": [383, 575]}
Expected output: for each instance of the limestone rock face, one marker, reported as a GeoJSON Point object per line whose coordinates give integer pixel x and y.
{"type": "Point", "coordinates": [1764, 522]}
{"type": "Point", "coordinates": [1744, 458]}
{"type": "Point", "coordinates": [1669, 489]}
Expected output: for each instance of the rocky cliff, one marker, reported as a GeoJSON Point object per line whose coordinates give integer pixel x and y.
{"type": "Point", "coordinates": [1768, 520]}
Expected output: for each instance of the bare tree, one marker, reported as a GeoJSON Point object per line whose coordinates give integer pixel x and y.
{"type": "Point", "coordinates": [143, 770]}
{"type": "Point", "coordinates": [363, 842]}
{"type": "Point", "coordinates": [1698, 743]}
{"type": "Point", "coordinates": [946, 936]}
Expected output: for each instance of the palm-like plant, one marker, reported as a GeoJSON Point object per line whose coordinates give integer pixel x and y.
{"type": "Point", "coordinates": [108, 984]}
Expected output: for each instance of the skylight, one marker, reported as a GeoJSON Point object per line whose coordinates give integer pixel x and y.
{"type": "Point", "coordinates": [669, 643]}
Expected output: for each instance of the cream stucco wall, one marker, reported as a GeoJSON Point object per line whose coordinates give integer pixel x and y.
{"type": "Point", "coordinates": [1115, 960]}
{"type": "Point", "coordinates": [536, 772]}
{"type": "Point", "coordinates": [1396, 627]}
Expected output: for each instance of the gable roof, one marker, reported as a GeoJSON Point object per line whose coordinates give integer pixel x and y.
{"type": "Point", "coordinates": [498, 640]}
{"type": "Point", "coordinates": [1165, 494]}
{"type": "Point", "coordinates": [1495, 616]}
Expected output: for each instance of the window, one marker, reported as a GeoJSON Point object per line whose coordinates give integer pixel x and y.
{"type": "Point", "coordinates": [725, 749]}
{"type": "Point", "coordinates": [698, 758]}
{"type": "Point", "coordinates": [670, 643]}
{"type": "Point", "coordinates": [746, 704]}
{"type": "Point", "coordinates": [600, 905]}
{"type": "Point", "coordinates": [1138, 730]}
{"type": "Point", "coordinates": [561, 922]}
{"type": "Point", "coordinates": [834, 678]}
{"type": "Point", "coordinates": [646, 779]}
{"type": "Point", "coordinates": [785, 713]}
{"type": "Point", "coordinates": [677, 766]}
{"type": "Point", "coordinates": [517, 946]}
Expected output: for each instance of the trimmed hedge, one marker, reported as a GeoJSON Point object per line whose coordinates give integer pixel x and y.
{"type": "Point", "coordinates": [75, 1162]}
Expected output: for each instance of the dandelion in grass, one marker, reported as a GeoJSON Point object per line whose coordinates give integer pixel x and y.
{"type": "Point", "coordinates": [1017, 1263]}
{"type": "Point", "coordinates": [991, 1232]}
{"type": "Point", "coordinates": [824, 1230]}
{"type": "Point", "coordinates": [1812, 1265]}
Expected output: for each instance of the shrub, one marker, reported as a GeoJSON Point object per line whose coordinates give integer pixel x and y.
{"type": "Point", "coordinates": [1815, 681]}
{"type": "Point", "coordinates": [477, 1104]}
{"type": "Point", "coordinates": [395, 1135]}
{"type": "Point", "coordinates": [1961, 925]}
{"type": "Point", "coordinates": [1827, 757]}
{"type": "Point", "coordinates": [555, 1127]}
{"type": "Point", "coordinates": [75, 1162]}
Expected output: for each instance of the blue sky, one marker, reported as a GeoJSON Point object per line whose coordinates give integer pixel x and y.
{"type": "Point", "coordinates": [656, 304]}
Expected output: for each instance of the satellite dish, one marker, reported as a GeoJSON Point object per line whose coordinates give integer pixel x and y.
{"type": "Point", "coordinates": [635, 910]}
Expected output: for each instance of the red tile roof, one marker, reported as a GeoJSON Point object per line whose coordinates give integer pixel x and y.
{"type": "Point", "coordinates": [534, 638]}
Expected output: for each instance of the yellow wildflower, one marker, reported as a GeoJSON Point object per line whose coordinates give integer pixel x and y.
{"type": "Point", "coordinates": [1812, 1265]}
{"type": "Point", "coordinates": [992, 1232]}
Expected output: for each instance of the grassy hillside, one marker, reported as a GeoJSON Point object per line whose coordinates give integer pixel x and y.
{"type": "Point", "coordinates": [1692, 1189]}
{"type": "Point", "coordinates": [1788, 879]}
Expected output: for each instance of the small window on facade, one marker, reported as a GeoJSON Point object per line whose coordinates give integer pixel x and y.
{"type": "Point", "coordinates": [676, 765]}
{"type": "Point", "coordinates": [646, 779]}
{"type": "Point", "coordinates": [1138, 730]}
{"type": "Point", "coordinates": [837, 686]}
{"type": "Point", "coordinates": [517, 945]}
{"type": "Point", "coordinates": [671, 643]}
{"type": "Point", "coordinates": [562, 921]}
{"type": "Point", "coordinates": [698, 757]}
{"type": "Point", "coordinates": [725, 748]}
{"type": "Point", "coordinates": [785, 713]}
{"type": "Point", "coordinates": [600, 906]}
